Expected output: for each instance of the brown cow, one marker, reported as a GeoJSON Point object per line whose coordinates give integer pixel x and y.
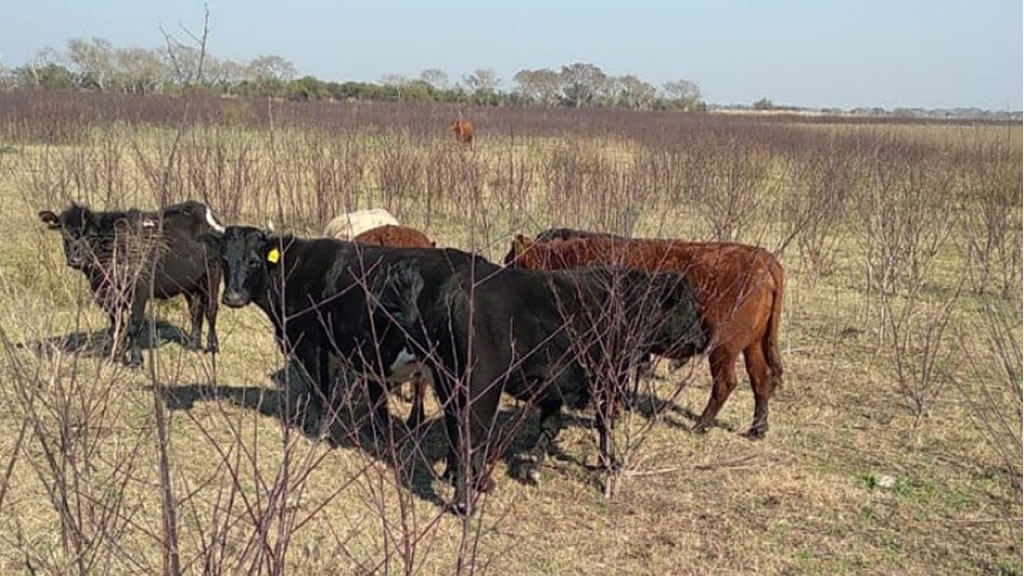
{"type": "Point", "coordinates": [463, 130]}
{"type": "Point", "coordinates": [395, 236]}
{"type": "Point", "coordinates": [404, 237]}
{"type": "Point", "coordinates": [739, 289]}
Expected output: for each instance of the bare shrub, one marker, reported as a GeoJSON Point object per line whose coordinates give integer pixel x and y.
{"type": "Point", "coordinates": [591, 190]}
{"type": "Point", "coordinates": [902, 224]}
{"type": "Point", "coordinates": [336, 169]}
{"type": "Point", "coordinates": [901, 215]}
{"type": "Point", "coordinates": [400, 176]}
{"type": "Point", "coordinates": [222, 170]}
{"type": "Point", "coordinates": [729, 181]}
{"type": "Point", "coordinates": [814, 205]}
{"type": "Point", "coordinates": [511, 184]}
{"type": "Point", "coordinates": [918, 345]}
{"type": "Point", "coordinates": [991, 387]}
{"type": "Point", "coordinates": [990, 185]}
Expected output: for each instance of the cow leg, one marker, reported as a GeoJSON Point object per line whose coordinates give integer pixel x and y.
{"type": "Point", "coordinates": [379, 414]}
{"type": "Point", "coordinates": [761, 383]}
{"type": "Point", "coordinates": [210, 302]}
{"type": "Point", "coordinates": [136, 324]}
{"type": "Point", "coordinates": [550, 422]}
{"type": "Point", "coordinates": [314, 370]}
{"type": "Point", "coordinates": [480, 413]}
{"type": "Point", "coordinates": [111, 345]}
{"type": "Point", "coordinates": [416, 414]}
{"type": "Point", "coordinates": [723, 376]}
{"type": "Point", "coordinates": [195, 313]}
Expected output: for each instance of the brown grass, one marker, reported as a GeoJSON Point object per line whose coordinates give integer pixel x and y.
{"type": "Point", "coordinates": [810, 498]}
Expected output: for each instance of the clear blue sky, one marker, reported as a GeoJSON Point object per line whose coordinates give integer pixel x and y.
{"type": "Point", "coordinates": [939, 53]}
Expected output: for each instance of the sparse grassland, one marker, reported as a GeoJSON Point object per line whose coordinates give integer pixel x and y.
{"type": "Point", "coordinates": [895, 445]}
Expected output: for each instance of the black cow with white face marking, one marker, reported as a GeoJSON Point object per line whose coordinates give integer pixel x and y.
{"type": "Point", "coordinates": [130, 255]}
{"type": "Point", "coordinates": [481, 329]}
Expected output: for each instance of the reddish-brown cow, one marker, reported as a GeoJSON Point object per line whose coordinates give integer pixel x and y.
{"type": "Point", "coordinates": [739, 289]}
{"type": "Point", "coordinates": [395, 236]}
{"type": "Point", "coordinates": [463, 130]}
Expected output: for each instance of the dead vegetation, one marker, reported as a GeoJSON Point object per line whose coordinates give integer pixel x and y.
{"type": "Point", "coordinates": [895, 445]}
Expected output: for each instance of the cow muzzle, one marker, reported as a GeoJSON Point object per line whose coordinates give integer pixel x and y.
{"type": "Point", "coordinates": [234, 299]}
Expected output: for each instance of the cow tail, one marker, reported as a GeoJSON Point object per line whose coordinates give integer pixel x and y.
{"type": "Point", "coordinates": [770, 343]}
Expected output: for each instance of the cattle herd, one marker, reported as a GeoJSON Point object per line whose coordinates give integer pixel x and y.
{"type": "Point", "coordinates": [568, 318]}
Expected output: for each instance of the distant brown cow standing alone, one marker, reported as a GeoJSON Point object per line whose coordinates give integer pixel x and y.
{"type": "Point", "coordinates": [463, 130]}
{"type": "Point", "coordinates": [739, 290]}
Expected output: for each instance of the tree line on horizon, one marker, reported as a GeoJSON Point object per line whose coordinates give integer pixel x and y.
{"type": "Point", "coordinates": [97, 65]}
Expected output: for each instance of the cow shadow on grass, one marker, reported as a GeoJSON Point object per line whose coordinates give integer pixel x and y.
{"type": "Point", "coordinates": [419, 455]}
{"type": "Point", "coordinates": [94, 344]}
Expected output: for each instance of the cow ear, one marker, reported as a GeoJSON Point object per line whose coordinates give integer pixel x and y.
{"type": "Point", "coordinates": [271, 251]}
{"type": "Point", "coordinates": [212, 241]}
{"type": "Point", "coordinates": [51, 220]}
{"type": "Point", "coordinates": [520, 244]}
{"type": "Point", "coordinates": [673, 289]}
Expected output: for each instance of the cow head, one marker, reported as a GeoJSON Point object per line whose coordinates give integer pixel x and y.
{"type": "Point", "coordinates": [80, 229]}
{"type": "Point", "coordinates": [519, 245]}
{"type": "Point", "coordinates": [677, 325]}
{"type": "Point", "coordinates": [248, 257]}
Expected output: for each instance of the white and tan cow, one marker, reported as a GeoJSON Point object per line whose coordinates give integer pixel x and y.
{"type": "Point", "coordinates": [351, 224]}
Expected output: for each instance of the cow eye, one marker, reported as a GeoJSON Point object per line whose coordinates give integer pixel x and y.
{"type": "Point", "coordinates": [255, 263]}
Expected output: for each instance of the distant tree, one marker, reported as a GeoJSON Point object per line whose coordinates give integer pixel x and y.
{"type": "Point", "coordinates": [435, 77]}
{"type": "Point", "coordinates": [419, 91]}
{"type": "Point", "coordinates": [139, 71]}
{"type": "Point", "coordinates": [46, 59]}
{"type": "Point", "coordinates": [634, 93]}
{"type": "Point", "coordinates": [270, 67]}
{"type": "Point", "coordinates": [182, 64]}
{"type": "Point", "coordinates": [581, 83]}
{"type": "Point", "coordinates": [50, 76]}
{"type": "Point", "coordinates": [683, 94]}
{"type": "Point", "coordinates": [93, 60]}
{"type": "Point", "coordinates": [268, 76]}
{"type": "Point", "coordinates": [307, 88]}
{"type": "Point", "coordinates": [482, 85]}
{"type": "Point", "coordinates": [225, 75]}
{"type": "Point", "coordinates": [394, 86]}
{"type": "Point", "coordinates": [764, 104]}
{"type": "Point", "coordinates": [540, 86]}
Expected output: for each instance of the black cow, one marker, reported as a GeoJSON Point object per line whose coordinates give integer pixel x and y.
{"type": "Point", "coordinates": [326, 296]}
{"type": "Point", "coordinates": [482, 329]}
{"type": "Point", "coordinates": [549, 338]}
{"type": "Point", "coordinates": [645, 367]}
{"type": "Point", "coordinates": [129, 255]}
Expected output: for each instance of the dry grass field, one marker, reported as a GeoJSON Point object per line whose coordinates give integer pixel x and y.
{"type": "Point", "coordinates": [895, 445]}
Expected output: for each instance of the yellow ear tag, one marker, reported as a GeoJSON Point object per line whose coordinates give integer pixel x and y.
{"type": "Point", "coordinates": [273, 256]}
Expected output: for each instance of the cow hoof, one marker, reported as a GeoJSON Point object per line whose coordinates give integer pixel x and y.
{"type": "Point", "coordinates": [212, 349]}
{"type": "Point", "coordinates": [460, 509]}
{"type": "Point", "coordinates": [529, 470]}
{"type": "Point", "coordinates": [486, 485]}
{"type": "Point", "coordinates": [756, 433]}
{"type": "Point", "coordinates": [448, 475]}
{"type": "Point", "coordinates": [701, 428]}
